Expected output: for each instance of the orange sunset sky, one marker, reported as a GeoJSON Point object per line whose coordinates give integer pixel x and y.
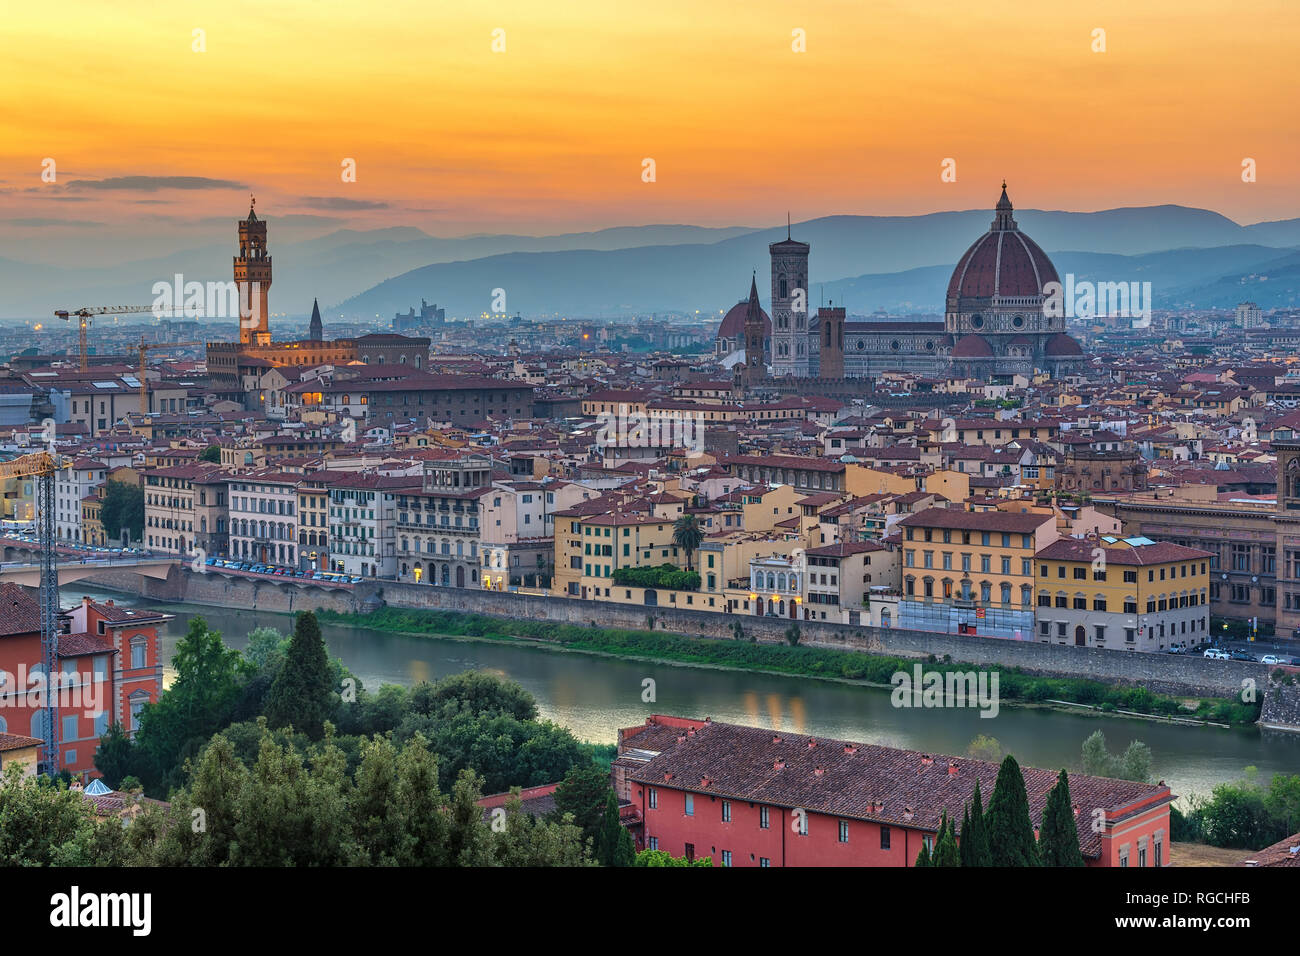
{"type": "Point", "coordinates": [549, 136]}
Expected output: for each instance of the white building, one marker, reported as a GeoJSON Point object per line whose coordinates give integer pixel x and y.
{"type": "Point", "coordinates": [264, 517]}
{"type": "Point", "coordinates": [71, 485]}
{"type": "Point", "coordinates": [363, 522]}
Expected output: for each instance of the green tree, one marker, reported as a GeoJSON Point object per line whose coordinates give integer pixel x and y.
{"type": "Point", "coordinates": [123, 507]}
{"type": "Point", "coordinates": [212, 453]}
{"type": "Point", "coordinates": [688, 534]}
{"type": "Point", "coordinates": [614, 844]}
{"type": "Point", "coordinates": [114, 757]}
{"type": "Point", "coordinates": [303, 694]}
{"type": "Point", "coordinates": [1133, 764]}
{"type": "Point", "coordinates": [1283, 801]}
{"type": "Point", "coordinates": [583, 793]}
{"type": "Point", "coordinates": [792, 635]}
{"type": "Point", "coordinates": [1058, 842]}
{"type": "Point", "coordinates": [209, 679]}
{"type": "Point", "coordinates": [265, 649]}
{"type": "Point", "coordinates": [39, 818]}
{"type": "Point", "coordinates": [1236, 817]}
{"type": "Point", "coordinates": [945, 847]}
{"type": "Point", "coordinates": [985, 748]}
{"type": "Point", "coordinates": [974, 847]}
{"type": "Point", "coordinates": [663, 858]}
{"type": "Point", "coordinates": [923, 858]}
{"type": "Point", "coordinates": [1010, 830]}
{"type": "Point", "coordinates": [482, 694]}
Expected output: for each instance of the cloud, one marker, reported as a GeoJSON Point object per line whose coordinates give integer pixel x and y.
{"type": "Point", "coordinates": [339, 203]}
{"type": "Point", "coordinates": [151, 184]}
{"type": "Point", "coordinates": [38, 222]}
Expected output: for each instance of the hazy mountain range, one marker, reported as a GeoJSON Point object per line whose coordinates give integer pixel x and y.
{"type": "Point", "coordinates": [1192, 257]}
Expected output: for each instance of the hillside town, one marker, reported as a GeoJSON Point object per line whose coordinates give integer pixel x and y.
{"type": "Point", "coordinates": [932, 499]}
{"type": "Point", "coordinates": [998, 474]}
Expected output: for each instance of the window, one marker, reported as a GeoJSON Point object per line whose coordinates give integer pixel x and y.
{"type": "Point", "coordinates": [764, 861]}
{"type": "Point", "coordinates": [138, 652]}
{"type": "Point", "coordinates": [844, 831]}
{"type": "Point", "coordinates": [884, 838]}
{"type": "Point", "coordinates": [763, 821]}
{"type": "Point", "coordinates": [726, 858]}
{"type": "Point", "coordinates": [726, 811]}
{"type": "Point", "coordinates": [654, 798]}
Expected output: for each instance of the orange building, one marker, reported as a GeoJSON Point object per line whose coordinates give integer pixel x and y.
{"type": "Point", "coordinates": [110, 666]}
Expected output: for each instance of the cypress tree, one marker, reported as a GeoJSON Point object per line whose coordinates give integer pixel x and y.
{"type": "Point", "coordinates": [975, 840]}
{"type": "Point", "coordinates": [1059, 843]}
{"type": "Point", "coordinates": [1010, 831]}
{"type": "Point", "coordinates": [965, 847]}
{"type": "Point", "coordinates": [945, 849]}
{"type": "Point", "coordinates": [302, 694]}
{"type": "Point", "coordinates": [923, 858]}
{"type": "Point", "coordinates": [614, 846]}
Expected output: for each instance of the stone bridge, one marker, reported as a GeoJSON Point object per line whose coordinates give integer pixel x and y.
{"type": "Point", "coordinates": [29, 575]}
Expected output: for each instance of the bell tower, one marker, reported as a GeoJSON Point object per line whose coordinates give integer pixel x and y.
{"type": "Point", "coordinates": [253, 279]}
{"type": "Point", "coordinates": [789, 306]}
{"type": "Point", "coordinates": [755, 368]}
{"type": "Point", "coordinates": [830, 339]}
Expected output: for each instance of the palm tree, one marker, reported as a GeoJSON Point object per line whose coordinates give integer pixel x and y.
{"type": "Point", "coordinates": [687, 535]}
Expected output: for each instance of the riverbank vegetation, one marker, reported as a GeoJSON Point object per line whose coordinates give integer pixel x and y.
{"type": "Point", "coordinates": [278, 756]}
{"type": "Point", "coordinates": [1014, 685]}
{"type": "Point", "coordinates": [1241, 815]}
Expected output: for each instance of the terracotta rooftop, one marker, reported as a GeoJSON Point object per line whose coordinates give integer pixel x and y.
{"type": "Point", "coordinates": [868, 782]}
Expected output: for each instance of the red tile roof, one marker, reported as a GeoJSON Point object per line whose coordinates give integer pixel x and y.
{"type": "Point", "coordinates": [868, 782]}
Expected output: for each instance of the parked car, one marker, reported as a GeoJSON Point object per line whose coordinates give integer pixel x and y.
{"type": "Point", "coordinates": [1215, 654]}
{"type": "Point", "coordinates": [1241, 656]}
{"type": "Point", "coordinates": [1177, 648]}
{"type": "Point", "coordinates": [1270, 659]}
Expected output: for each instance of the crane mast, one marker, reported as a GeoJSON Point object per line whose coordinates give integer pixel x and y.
{"type": "Point", "coordinates": [44, 467]}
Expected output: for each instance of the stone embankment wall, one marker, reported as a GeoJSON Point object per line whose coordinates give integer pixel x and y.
{"type": "Point", "coordinates": [1161, 673]}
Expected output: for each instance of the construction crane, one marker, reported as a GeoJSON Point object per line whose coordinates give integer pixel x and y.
{"type": "Point", "coordinates": [44, 467]}
{"type": "Point", "coordinates": [83, 319]}
{"type": "Point", "coordinates": [145, 348]}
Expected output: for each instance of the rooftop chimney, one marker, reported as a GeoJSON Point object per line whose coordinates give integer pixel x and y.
{"type": "Point", "coordinates": [819, 771]}
{"type": "Point", "coordinates": [850, 749]}
{"type": "Point", "coordinates": [778, 764]}
{"type": "Point", "coordinates": [776, 739]}
{"type": "Point", "coordinates": [812, 742]}
{"type": "Point", "coordinates": [952, 768]}
{"type": "Point", "coordinates": [926, 760]}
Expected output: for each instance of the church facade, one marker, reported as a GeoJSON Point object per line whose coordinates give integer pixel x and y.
{"type": "Point", "coordinates": [994, 323]}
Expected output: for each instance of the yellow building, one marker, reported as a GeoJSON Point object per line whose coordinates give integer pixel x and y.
{"type": "Point", "coordinates": [594, 539]}
{"type": "Point", "coordinates": [971, 573]}
{"type": "Point", "coordinates": [1122, 593]}
{"type": "Point", "coordinates": [19, 749]}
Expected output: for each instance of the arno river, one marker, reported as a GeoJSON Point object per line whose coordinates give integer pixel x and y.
{"type": "Point", "coordinates": [594, 696]}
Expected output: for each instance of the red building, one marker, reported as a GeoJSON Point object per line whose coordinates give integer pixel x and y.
{"type": "Point", "coordinates": [110, 666]}
{"type": "Point", "coordinates": [745, 796]}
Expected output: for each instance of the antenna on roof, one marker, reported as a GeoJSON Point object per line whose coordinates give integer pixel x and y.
{"type": "Point", "coordinates": [787, 224]}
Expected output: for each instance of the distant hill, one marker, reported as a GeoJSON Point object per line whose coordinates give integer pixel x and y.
{"type": "Point", "coordinates": [713, 278]}
{"type": "Point", "coordinates": [652, 267]}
